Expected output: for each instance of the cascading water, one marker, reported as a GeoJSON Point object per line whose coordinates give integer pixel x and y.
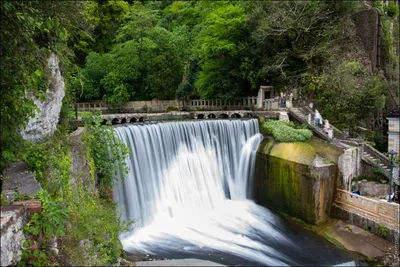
{"type": "Point", "coordinates": [188, 190]}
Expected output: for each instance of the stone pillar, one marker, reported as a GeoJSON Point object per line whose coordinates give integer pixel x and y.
{"type": "Point", "coordinates": [261, 94]}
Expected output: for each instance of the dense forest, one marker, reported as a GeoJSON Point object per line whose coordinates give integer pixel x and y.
{"type": "Point", "coordinates": [140, 50]}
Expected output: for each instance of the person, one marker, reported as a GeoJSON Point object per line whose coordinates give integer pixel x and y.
{"type": "Point", "coordinates": [327, 126]}
{"type": "Point", "coordinates": [396, 195]}
{"type": "Point", "coordinates": [317, 118]}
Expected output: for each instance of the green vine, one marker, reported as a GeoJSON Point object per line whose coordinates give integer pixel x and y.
{"type": "Point", "coordinates": [108, 152]}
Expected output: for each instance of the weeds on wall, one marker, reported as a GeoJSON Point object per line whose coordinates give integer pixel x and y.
{"type": "Point", "coordinates": [41, 229]}
{"type": "Point", "coordinates": [108, 152]}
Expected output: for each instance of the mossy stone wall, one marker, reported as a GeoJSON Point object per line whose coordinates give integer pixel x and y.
{"type": "Point", "coordinates": [298, 179]}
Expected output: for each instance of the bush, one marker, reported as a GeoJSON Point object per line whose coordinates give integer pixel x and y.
{"type": "Point", "coordinates": [108, 152]}
{"type": "Point", "coordinates": [392, 10]}
{"type": "Point", "coordinates": [172, 109]}
{"type": "Point", "coordinates": [285, 132]}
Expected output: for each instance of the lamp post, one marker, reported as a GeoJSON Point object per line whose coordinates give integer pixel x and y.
{"type": "Point", "coordinates": [392, 155]}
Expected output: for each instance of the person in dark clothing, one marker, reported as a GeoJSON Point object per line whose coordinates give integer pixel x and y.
{"type": "Point", "coordinates": [396, 196]}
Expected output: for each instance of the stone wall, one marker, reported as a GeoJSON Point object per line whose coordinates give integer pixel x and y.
{"type": "Point", "coordinates": [13, 219]}
{"type": "Point", "coordinates": [372, 189]}
{"type": "Point", "coordinates": [370, 214]}
{"type": "Point", "coordinates": [82, 173]}
{"type": "Point", "coordinates": [298, 179]}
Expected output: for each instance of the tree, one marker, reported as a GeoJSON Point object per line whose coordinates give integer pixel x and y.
{"type": "Point", "coordinates": [217, 46]}
{"type": "Point", "coordinates": [29, 32]}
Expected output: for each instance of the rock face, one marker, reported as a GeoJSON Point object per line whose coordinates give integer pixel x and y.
{"type": "Point", "coordinates": [45, 121]}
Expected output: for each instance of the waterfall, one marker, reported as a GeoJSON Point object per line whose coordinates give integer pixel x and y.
{"type": "Point", "coordinates": [180, 166]}
{"type": "Point", "coordinates": [188, 190]}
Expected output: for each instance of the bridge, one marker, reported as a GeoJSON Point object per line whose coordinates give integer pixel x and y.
{"type": "Point", "coordinates": [122, 118]}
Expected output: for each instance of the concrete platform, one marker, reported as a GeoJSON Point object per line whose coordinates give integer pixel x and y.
{"type": "Point", "coordinates": [180, 262]}
{"type": "Point", "coordinates": [356, 239]}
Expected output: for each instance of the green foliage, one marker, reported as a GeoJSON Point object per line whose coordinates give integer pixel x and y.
{"type": "Point", "coordinates": [95, 221]}
{"type": "Point", "coordinates": [361, 94]}
{"type": "Point", "coordinates": [92, 215]}
{"type": "Point", "coordinates": [379, 171]}
{"type": "Point", "coordinates": [51, 162]}
{"type": "Point", "coordinates": [285, 132]}
{"type": "Point", "coordinates": [392, 9]}
{"type": "Point", "coordinates": [172, 109]}
{"type": "Point", "coordinates": [29, 32]}
{"type": "Point", "coordinates": [108, 152]}
{"type": "Point", "coordinates": [217, 45]}
{"type": "Point", "coordinates": [383, 231]}
{"type": "Point", "coordinates": [47, 224]}
{"type": "Point", "coordinates": [50, 221]}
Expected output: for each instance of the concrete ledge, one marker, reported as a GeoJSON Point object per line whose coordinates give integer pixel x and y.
{"type": "Point", "coordinates": [18, 177]}
{"type": "Point", "coordinates": [340, 212]}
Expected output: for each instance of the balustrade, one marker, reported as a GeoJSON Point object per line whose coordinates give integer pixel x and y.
{"type": "Point", "coordinates": [195, 104]}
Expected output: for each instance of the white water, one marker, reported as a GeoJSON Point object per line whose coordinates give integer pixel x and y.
{"type": "Point", "coordinates": [188, 189]}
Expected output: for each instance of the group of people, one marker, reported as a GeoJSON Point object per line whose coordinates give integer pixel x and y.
{"type": "Point", "coordinates": [320, 122]}
{"type": "Point", "coordinates": [286, 100]}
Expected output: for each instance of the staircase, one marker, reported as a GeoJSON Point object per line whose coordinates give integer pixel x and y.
{"type": "Point", "coordinates": [301, 116]}
{"type": "Point", "coordinates": [369, 154]}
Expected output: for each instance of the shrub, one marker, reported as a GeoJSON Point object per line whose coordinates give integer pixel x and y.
{"type": "Point", "coordinates": [172, 109]}
{"type": "Point", "coordinates": [392, 10]}
{"type": "Point", "coordinates": [42, 227]}
{"type": "Point", "coordinates": [383, 231]}
{"type": "Point", "coordinates": [285, 132]}
{"type": "Point", "coordinates": [107, 150]}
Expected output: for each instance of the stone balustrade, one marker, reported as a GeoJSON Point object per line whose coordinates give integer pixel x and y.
{"type": "Point", "coordinates": [380, 211]}
{"type": "Point", "coordinates": [271, 104]}
{"type": "Point", "coordinates": [189, 105]}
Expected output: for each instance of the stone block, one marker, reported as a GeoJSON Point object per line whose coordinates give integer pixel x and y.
{"type": "Point", "coordinates": [12, 221]}
{"type": "Point", "coordinates": [19, 178]}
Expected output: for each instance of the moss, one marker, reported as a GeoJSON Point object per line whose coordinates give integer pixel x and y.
{"type": "Point", "coordinates": [300, 152]}
{"type": "Point", "coordinates": [333, 241]}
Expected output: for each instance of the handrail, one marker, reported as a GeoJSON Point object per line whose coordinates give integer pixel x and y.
{"type": "Point", "coordinates": [369, 149]}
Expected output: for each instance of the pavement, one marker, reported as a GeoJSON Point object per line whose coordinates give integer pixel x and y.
{"type": "Point", "coordinates": [180, 262]}
{"type": "Point", "coordinates": [356, 239]}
